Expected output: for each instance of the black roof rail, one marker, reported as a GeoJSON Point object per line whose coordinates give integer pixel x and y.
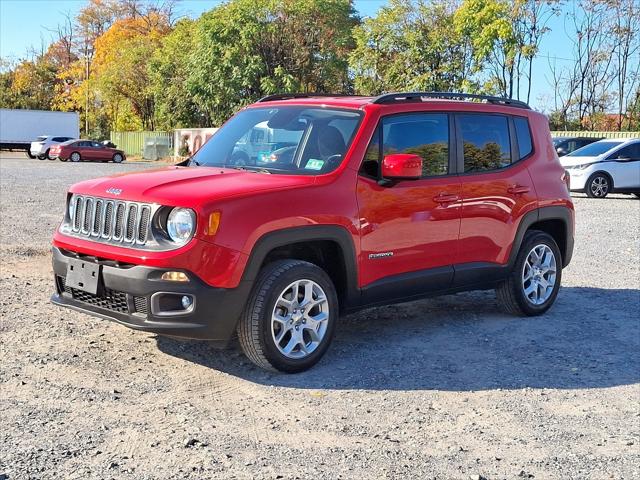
{"type": "Point", "coordinates": [289, 96]}
{"type": "Point", "coordinates": [418, 96]}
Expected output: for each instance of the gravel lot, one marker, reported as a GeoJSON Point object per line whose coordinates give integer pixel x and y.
{"type": "Point", "coordinates": [448, 388]}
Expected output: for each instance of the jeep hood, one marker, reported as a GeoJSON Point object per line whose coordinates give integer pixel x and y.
{"type": "Point", "coordinates": [186, 186]}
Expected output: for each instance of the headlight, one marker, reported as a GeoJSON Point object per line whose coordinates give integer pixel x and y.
{"type": "Point", "coordinates": [579, 167]}
{"type": "Point", "coordinates": [181, 225]}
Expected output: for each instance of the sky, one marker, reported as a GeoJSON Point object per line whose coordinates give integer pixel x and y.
{"type": "Point", "coordinates": [26, 24]}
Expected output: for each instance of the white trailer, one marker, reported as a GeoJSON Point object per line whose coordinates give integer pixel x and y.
{"type": "Point", "coordinates": [18, 128]}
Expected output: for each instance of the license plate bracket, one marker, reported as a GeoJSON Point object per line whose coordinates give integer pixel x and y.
{"type": "Point", "coordinates": [83, 275]}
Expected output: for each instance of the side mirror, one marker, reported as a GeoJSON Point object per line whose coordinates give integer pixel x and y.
{"type": "Point", "coordinates": [561, 151]}
{"type": "Point", "coordinates": [402, 166]}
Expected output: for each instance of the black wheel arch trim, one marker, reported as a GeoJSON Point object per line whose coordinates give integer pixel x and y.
{"type": "Point", "coordinates": [310, 233]}
{"type": "Point", "coordinates": [541, 214]}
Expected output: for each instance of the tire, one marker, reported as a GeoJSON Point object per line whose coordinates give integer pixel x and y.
{"type": "Point", "coordinates": [117, 158]}
{"type": "Point", "coordinates": [62, 159]}
{"type": "Point", "coordinates": [599, 185]}
{"type": "Point", "coordinates": [511, 293]}
{"type": "Point", "coordinates": [75, 157]}
{"type": "Point", "coordinates": [47, 155]}
{"type": "Point", "coordinates": [259, 329]}
{"type": "Point", "coordinates": [43, 156]}
{"type": "Point", "coordinates": [32, 157]}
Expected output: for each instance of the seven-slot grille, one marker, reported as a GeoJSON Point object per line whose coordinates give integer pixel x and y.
{"type": "Point", "coordinates": [112, 221]}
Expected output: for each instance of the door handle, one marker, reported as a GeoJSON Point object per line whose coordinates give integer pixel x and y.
{"type": "Point", "coordinates": [446, 198]}
{"type": "Point", "coordinates": [518, 189]}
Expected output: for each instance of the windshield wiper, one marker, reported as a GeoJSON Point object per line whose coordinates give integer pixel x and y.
{"type": "Point", "coordinates": [251, 169]}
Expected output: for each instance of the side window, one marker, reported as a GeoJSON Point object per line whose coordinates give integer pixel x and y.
{"type": "Point", "coordinates": [630, 151]}
{"type": "Point", "coordinates": [485, 142]}
{"type": "Point", "coordinates": [523, 134]}
{"type": "Point", "coordinates": [572, 146]}
{"type": "Point", "coordinates": [426, 135]}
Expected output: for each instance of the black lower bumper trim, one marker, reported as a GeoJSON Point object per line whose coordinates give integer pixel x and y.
{"type": "Point", "coordinates": [125, 293]}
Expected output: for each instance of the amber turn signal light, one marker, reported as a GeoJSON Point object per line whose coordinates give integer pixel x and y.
{"type": "Point", "coordinates": [175, 277]}
{"type": "Point", "coordinates": [213, 224]}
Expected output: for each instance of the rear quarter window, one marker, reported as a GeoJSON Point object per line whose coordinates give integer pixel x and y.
{"type": "Point", "coordinates": [523, 134]}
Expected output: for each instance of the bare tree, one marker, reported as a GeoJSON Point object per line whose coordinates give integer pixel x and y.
{"type": "Point", "coordinates": [626, 48]}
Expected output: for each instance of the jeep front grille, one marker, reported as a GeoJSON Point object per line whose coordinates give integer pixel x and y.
{"type": "Point", "coordinates": [110, 221]}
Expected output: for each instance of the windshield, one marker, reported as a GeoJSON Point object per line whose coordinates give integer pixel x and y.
{"type": "Point", "coordinates": [594, 149]}
{"type": "Point", "coordinates": [295, 140]}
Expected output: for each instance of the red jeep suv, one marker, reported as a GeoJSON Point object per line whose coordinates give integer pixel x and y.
{"type": "Point", "coordinates": [304, 207]}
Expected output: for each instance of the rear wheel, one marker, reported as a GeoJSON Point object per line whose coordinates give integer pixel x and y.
{"type": "Point", "coordinates": [534, 282]}
{"type": "Point", "coordinates": [75, 157]}
{"type": "Point", "coordinates": [290, 318]}
{"type": "Point", "coordinates": [48, 155]}
{"type": "Point", "coordinates": [29, 154]}
{"type": "Point", "coordinates": [117, 158]}
{"type": "Point", "coordinates": [43, 156]}
{"type": "Point", "coordinates": [598, 186]}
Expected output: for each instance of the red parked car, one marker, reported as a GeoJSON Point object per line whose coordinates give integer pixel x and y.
{"type": "Point", "coordinates": [383, 200]}
{"type": "Point", "coordinates": [86, 150]}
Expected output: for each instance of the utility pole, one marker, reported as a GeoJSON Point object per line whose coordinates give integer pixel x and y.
{"type": "Point", "coordinates": [86, 104]}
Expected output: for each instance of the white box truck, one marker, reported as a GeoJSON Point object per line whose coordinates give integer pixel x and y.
{"type": "Point", "coordinates": [18, 128]}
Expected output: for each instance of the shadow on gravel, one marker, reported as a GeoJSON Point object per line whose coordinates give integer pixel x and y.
{"type": "Point", "coordinates": [589, 339]}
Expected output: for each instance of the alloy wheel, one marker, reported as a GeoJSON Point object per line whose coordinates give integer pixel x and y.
{"type": "Point", "coordinates": [539, 274]}
{"type": "Point", "coordinates": [599, 186]}
{"type": "Point", "coordinates": [300, 319]}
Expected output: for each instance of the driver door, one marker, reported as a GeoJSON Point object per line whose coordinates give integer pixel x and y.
{"type": "Point", "coordinates": [409, 229]}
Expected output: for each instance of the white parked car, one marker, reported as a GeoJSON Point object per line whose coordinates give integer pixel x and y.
{"type": "Point", "coordinates": [607, 166]}
{"type": "Point", "coordinates": [40, 148]}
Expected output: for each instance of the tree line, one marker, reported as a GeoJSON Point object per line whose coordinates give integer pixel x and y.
{"type": "Point", "coordinates": [134, 65]}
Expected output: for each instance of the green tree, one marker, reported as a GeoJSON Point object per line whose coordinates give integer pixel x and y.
{"type": "Point", "coordinates": [168, 73]}
{"type": "Point", "coordinates": [412, 45]}
{"type": "Point", "coordinates": [248, 48]}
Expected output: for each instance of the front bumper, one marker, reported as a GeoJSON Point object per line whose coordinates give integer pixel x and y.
{"type": "Point", "coordinates": [578, 179]}
{"type": "Point", "coordinates": [125, 296]}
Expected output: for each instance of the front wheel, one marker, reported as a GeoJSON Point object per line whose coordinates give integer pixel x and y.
{"type": "Point", "coordinates": [534, 282]}
{"type": "Point", "coordinates": [598, 185]}
{"type": "Point", "coordinates": [42, 157]}
{"type": "Point", "coordinates": [290, 318]}
{"type": "Point", "coordinates": [117, 158]}
{"type": "Point", "coordinates": [32, 157]}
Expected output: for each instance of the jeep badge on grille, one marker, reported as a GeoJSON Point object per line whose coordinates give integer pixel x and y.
{"type": "Point", "coordinates": [114, 191]}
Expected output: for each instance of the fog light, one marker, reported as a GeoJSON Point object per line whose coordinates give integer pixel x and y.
{"type": "Point", "coordinates": [175, 277]}
{"type": "Point", "coordinates": [186, 302]}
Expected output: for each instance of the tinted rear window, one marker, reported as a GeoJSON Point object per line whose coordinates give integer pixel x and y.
{"type": "Point", "coordinates": [523, 134]}
{"type": "Point", "coordinates": [485, 140]}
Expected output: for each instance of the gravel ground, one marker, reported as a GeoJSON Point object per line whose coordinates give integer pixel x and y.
{"type": "Point", "coordinates": [448, 388]}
